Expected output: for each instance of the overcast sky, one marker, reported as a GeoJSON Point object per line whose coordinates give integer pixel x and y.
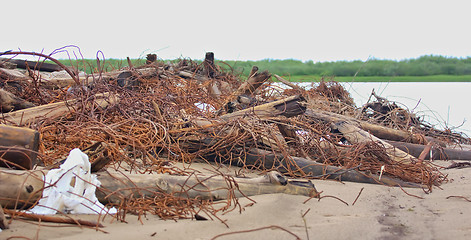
{"type": "Point", "coordinates": [324, 30]}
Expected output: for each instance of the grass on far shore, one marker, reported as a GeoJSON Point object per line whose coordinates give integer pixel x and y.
{"type": "Point", "coordinates": [89, 65]}
{"type": "Point", "coordinates": [432, 78]}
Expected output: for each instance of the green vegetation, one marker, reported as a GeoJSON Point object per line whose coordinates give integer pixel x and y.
{"type": "Point", "coordinates": [423, 66]}
{"type": "Point", "coordinates": [432, 78]}
{"type": "Point", "coordinates": [423, 69]}
{"type": "Point", "coordinates": [91, 65]}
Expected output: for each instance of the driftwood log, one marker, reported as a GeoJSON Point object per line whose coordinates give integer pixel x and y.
{"type": "Point", "coordinates": [436, 153]}
{"type": "Point", "coordinates": [53, 110]}
{"type": "Point", "coordinates": [41, 65]}
{"type": "Point", "coordinates": [288, 107]}
{"type": "Point", "coordinates": [24, 188]}
{"type": "Point", "coordinates": [3, 219]}
{"type": "Point", "coordinates": [305, 167]}
{"type": "Point", "coordinates": [375, 129]}
{"type": "Point", "coordinates": [10, 102]}
{"type": "Point", "coordinates": [356, 135]}
{"type": "Point", "coordinates": [18, 147]}
{"type": "Point", "coordinates": [244, 93]}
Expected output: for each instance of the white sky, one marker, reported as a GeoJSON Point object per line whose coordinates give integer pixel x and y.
{"type": "Point", "coordinates": [326, 30]}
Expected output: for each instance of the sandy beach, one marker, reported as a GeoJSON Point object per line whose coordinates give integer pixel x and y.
{"type": "Point", "coordinates": [380, 212]}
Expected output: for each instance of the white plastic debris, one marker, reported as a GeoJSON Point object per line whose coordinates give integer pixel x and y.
{"type": "Point", "coordinates": [71, 188]}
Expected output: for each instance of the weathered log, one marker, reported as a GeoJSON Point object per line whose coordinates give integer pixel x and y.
{"type": "Point", "coordinates": [213, 187]}
{"type": "Point", "coordinates": [356, 135]}
{"type": "Point", "coordinates": [437, 153]}
{"type": "Point", "coordinates": [12, 74]}
{"type": "Point", "coordinates": [42, 66]}
{"type": "Point", "coordinates": [7, 65]}
{"type": "Point", "coordinates": [3, 219]}
{"type": "Point", "coordinates": [288, 83]}
{"type": "Point", "coordinates": [288, 107]}
{"type": "Point", "coordinates": [255, 80]}
{"type": "Point", "coordinates": [10, 102]}
{"type": "Point", "coordinates": [20, 188]}
{"type": "Point", "coordinates": [375, 129]}
{"type": "Point", "coordinates": [200, 78]}
{"type": "Point", "coordinates": [304, 167]}
{"type": "Point", "coordinates": [69, 70]}
{"type": "Point", "coordinates": [18, 147]}
{"type": "Point", "coordinates": [53, 110]}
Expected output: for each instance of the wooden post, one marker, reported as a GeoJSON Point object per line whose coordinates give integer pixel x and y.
{"type": "Point", "coordinates": [209, 67]}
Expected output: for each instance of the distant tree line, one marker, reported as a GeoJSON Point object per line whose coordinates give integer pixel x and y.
{"type": "Point", "coordinates": [422, 66]}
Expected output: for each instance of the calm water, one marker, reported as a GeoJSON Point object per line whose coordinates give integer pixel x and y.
{"type": "Point", "coordinates": [441, 104]}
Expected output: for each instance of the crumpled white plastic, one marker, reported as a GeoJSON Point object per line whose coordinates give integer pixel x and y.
{"type": "Point", "coordinates": [71, 188]}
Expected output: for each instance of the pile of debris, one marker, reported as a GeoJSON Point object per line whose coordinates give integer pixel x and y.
{"type": "Point", "coordinates": [162, 117]}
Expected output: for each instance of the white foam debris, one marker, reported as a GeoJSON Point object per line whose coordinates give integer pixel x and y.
{"type": "Point", "coordinates": [71, 188]}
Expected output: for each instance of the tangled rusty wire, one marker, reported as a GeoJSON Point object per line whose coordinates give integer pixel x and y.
{"type": "Point", "coordinates": [152, 121]}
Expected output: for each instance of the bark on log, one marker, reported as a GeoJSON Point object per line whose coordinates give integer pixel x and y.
{"type": "Point", "coordinates": [303, 166]}
{"type": "Point", "coordinates": [53, 110]}
{"type": "Point", "coordinates": [356, 135]}
{"type": "Point", "coordinates": [18, 147]}
{"type": "Point", "coordinates": [377, 130]}
{"type": "Point", "coordinates": [10, 102]}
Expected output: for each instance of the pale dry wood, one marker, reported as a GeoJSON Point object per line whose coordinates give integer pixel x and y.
{"type": "Point", "coordinates": [18, 147]}
{"type": "Point", "coordinates": [288, 107]}
{"type": "Point", "coordinates": [213, 187]}
{"type": "Point", "coordinates": [248, 88]}
{"type": "Point", "coordinates": [3, 219]}
{"type": "Point", "coordinates": [12, 74]}
{"type": "Point", "coordinates": [303, 167]}
{"type": "Point", "coordinates": [437, 153]}
{"type": "Point", "coordinates": [288, 83]}
{"type": "Point", "coordinates": [375, 129]}
{"type": "Point", "coordinates": [20, 187]}
{"type": "Point", "coordinates": [11, 102]}
{"type": "Point", "coordinates": [356, 135]}
{"type": "Point", "coordinates": [53, 110]}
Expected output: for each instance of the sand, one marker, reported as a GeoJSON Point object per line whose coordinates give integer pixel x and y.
{"type": "Point", "coordinates": [379, 213]}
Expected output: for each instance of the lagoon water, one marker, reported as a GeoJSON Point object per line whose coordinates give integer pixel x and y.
{"type": "Point", "coordinates": [442, 104]}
